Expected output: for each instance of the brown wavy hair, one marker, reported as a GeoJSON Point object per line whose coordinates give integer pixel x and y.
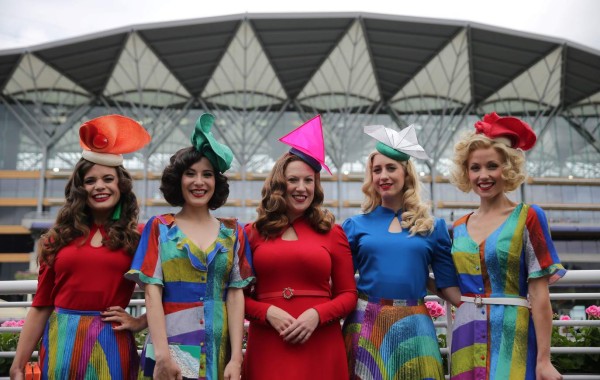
{"type": "Point", "coordinates": [272, 217]}
{"type": "Point", "coordinates": [513, 161]}
{"type": "Point", "coordinates": [415, 213]}
{"type": "Point", "coordinates": [74, 218]}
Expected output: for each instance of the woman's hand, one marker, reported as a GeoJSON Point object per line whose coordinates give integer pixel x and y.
{"type": "Point", "coordinates": [301, 329]}
{"type": "Point", "coordinates": [167, 369]}
{"type": "Point", "coordinates": [17, 373]}
{"type": "Point", "coordinates": [123, 320]}
{"type": "Point", "coordinates": [233, 370]}
{"type": "Point", "coordinates": [546, 371]}
{"type": "Point", "coordinates": [279, 318]}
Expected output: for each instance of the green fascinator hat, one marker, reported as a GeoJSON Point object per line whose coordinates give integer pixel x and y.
{"type": "Point", "coordinates": [219, 155]}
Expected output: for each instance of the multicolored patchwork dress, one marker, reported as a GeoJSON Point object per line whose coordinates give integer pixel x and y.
{"type": "Point", "coordinates": [391, 335]}
{"type": "Point", "coordinates": [498, 341]}
{"type": "Point", "coordinates": [195, 284]}
{"type": "Point", "coordinates": [83, 281]}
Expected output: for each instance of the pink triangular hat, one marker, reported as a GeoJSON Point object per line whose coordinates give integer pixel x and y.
{"type": "Point", "coordinates": [307, 143]}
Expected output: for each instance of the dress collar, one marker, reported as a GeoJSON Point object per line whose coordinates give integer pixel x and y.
{"type": "Point", "coordinates": [387, 211]}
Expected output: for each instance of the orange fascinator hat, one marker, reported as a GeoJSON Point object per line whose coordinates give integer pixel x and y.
{"type": "Point", "coordinates": [105, 138]}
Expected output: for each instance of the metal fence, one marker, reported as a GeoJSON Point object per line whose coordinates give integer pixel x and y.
{"type": "Point", "coordinates": [573, 278]}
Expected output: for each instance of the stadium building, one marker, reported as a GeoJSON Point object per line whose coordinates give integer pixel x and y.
{"type": "Point", "coordinates": [262, 75]}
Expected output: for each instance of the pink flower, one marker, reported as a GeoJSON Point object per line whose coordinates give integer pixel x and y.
{"type": "Point", "coordinates": [435, 309]}
{"type": "Point", "coordinates": [13, 323]}
{"type": "Point", "coordinates": [593, 311]}
{"type": "Point", "coordinates": [565, 318]}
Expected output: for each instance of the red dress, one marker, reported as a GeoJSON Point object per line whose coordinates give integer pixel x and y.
{"type": "Point", "coordinates": [85, 277]}
{"type": "Point", "coordinates": [314, 266]}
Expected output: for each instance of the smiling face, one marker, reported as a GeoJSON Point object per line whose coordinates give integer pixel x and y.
{"type": "Point", "coordinates": [388, 179]}
{"type": "Point", "coordinates": [198, 184]}
{"type": "Point", "coordinates": [484, 168]}
{"type": "Point", "coordinates": [300, 188]}
{"type": "Point", "coordinates": [102, 186]}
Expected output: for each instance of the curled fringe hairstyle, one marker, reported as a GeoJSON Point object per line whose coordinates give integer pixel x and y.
{"type": "Point", "coordinates": [75, 218]}
{"type": "Point", "coordinates": [170, 181]}
{"type": "Point", "coordinates": [272, 217]}
{"type": "Point", "coordinates": [415, 213]}
{"type": "Point", "coordinates": [513, 167]}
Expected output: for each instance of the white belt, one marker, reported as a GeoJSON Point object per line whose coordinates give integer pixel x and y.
{"type": "Point", "coordinates": [480, 301]}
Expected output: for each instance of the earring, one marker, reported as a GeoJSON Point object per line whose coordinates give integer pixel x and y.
{"type": "Point", "coordinates": [116, 215]}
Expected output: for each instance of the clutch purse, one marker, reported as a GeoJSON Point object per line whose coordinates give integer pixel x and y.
{"type": "Point", "coordinates": [33, 371]}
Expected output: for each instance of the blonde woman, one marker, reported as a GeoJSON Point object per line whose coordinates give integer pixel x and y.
{"type": "Point", "coordinates": [390, 335]}
{"type": "Point", "coordinates": [504, 255]}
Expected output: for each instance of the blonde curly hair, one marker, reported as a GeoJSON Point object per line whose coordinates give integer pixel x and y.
{"type": "Point", "coordinates": [415, 213]}
{"type": "Point", "coordinates": [513, 167]}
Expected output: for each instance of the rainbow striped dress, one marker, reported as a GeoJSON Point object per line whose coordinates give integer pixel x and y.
{"type": "Point", "coordinates": [195, 284]}
{"type": "Point", "coordinates": [498, 341]}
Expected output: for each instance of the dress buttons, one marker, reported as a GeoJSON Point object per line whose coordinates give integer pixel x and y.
{"type": "Point", "coordinates": [477, 267]}
{"type": "Point", "coordinates": [482, 357]}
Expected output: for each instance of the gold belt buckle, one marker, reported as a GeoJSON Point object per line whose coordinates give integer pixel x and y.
{"type": "Point", "coordinates": [287, 293]}
{"type": "Point", "coordinates": [478, 301]}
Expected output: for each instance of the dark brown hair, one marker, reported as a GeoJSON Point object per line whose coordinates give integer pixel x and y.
{"type": "Point", "coordinates": [74, 218]}
{"type": "Point", "coordinates": [170, 183]}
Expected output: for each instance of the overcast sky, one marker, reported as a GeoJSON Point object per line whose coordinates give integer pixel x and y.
{"type": "Point", "coordinates": [31, 22]}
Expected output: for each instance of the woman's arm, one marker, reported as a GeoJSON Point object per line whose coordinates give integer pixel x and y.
{"type": "Point", "coordinates": [541, 312]}
{"type": "Point", "coordinates": [451, 294]}
{"type": "Point", "coordinates": [35, 322]}
{"type": "Point", "coordinates": [165, 367]}
{"type": "Point", "coordinates": [235, 320]}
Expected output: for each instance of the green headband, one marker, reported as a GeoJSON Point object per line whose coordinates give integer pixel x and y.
{"type": "Point", "coordinates": [390, 152]}
{"type": "Point", "coordinates": [219, 155]}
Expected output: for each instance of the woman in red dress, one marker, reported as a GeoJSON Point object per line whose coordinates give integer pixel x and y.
{"type": "Point", "coordinates": [304, 277]}
{"type": "Point", "coordinates": [78, 309]}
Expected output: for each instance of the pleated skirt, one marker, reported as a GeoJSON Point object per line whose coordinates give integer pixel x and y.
{"type": "Point", "coordinates": [78, 345]}
{"type": "Point", "coordinates": [391, 339]}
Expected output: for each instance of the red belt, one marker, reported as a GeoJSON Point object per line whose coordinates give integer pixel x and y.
{"type": "Point", "coordinates": [288, 293]}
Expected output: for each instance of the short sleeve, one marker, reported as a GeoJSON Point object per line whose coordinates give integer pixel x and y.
{"type": "Point", "coordinates": [442, 263]}
{"type": "Point", "coordinates": [146, 267]}
{"type": "Point", "coordinates": [241, 274]}
{"type": "Point", "coordinates": [540, 255]}
{"type": "Point", "coordinates": [44, 295]}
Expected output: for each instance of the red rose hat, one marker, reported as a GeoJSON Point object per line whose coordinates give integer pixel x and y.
{"type": "Point", "coordinates": [509, 130]}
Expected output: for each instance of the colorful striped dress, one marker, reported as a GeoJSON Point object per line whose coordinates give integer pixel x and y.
{"type": "Point", "coordinates": [195, 284]}
{"type": "Point", "coordinates": [498, 341]}
{"type": "Point", "coordinates": [77, 344]}
{"type": "Point", "coordinates": [391, 335]}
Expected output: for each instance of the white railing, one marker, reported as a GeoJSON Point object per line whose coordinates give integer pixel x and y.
{"type": "Point", "coordinates": [572, 278]}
